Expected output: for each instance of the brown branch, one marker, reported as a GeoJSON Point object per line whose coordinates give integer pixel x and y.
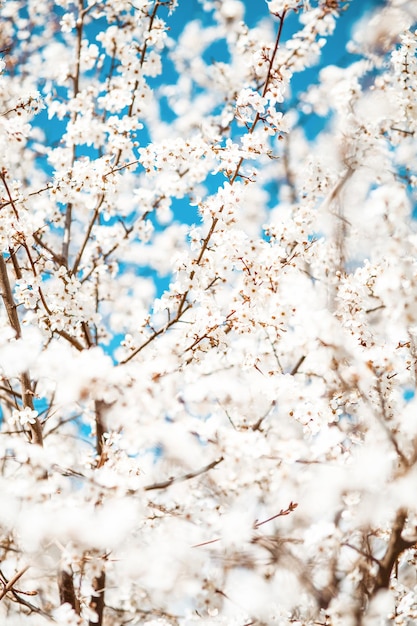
{"type": "Point", "coordinates": [87, 334]}
{"type": "Point", "coordinates": [56, 257]}
{"type": "Point", "coordinates": [15, 263]}
{"type": "Point", "coordinates": [10, 390]}
{"type": "Point", "coordinates": [26, 248]}
{"type": "Point", "coordinates": [265, 89]}
{"type": "Point", "coordinates": [87, 235]}
{"type": "Point", "coordinates": [29, 195]}
{"type": "Point", "coordinates": [155, 334]}
{"type": "Point", "coordinates": [121, 167]}
{"type": "Point", "coordinates": [32, 608]}
{"type": "Point", "coordinates": [361, 552]}
{"type": "Point", "coordinates": [10, 306]}
{"type": "Point", "coordinates": [204, 247]}
{"type": "Point", "coordinates": [130, 111]}
{"type": "Point", "coordinates": [396, 545]}
{"type": "Point", "coordinates": [74, 342]}
{"type": "Point", "coordinates": [207, 333]}
{"type": "Point", "coordinates": [291, 507]}
{"type": "Point", "coordinates": [8, 588]}
{"type": "Point", "coordinates": [278, 39]}
{"type": "Point", "coordinates": [97, 599]}
{"type": "Point", "coordinates": [206, 543]}
{"type": "Point", "coordinates": [99, 407]}
{"type": "Point", "coordinates": [67, 590]}
{"type": "Point", "coordinates": [178, 479]}
{"type": "Point", "coordinates": [297, 365]}
{"type": "Point", "coordinates": [7, 295]}
{"type": "Point", "coordinates": [10, 584]}
{"type": "Point", "coordinates": [27, 394]}
{"type": "Point", "coordinates": [79, 26]}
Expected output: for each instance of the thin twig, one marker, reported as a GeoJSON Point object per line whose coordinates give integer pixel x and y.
{"type": "Point", "coordinates": [362, 552]}
{"type": "Point", "coordinates": [291, 507]}
{"type": "Point", "coordinates": [297, 365]}
{"type": "Point", "coordinates": [87, 235]}
{"type": "Point", "coordinates": [9, 585]}
{"type": "Point", "coordinates": [167, 483]}
{"type": "Point", "coordinates": [155, 334]}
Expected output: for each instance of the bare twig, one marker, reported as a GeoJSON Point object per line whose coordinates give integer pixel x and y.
{"type": "Point", "coordinates": [362, 552]}
{"type": "Point", "coordinates": [291, 507]}
{"type": "Point", "coordinates": [297, 365]}
{"type": "Point", "coordinates": [206, 543]}
{"type": "Point", "coordinates": [155, 334]}
{"type": "Point", "coordinates": [177, 479]}
{"type": "Point", "coordinates": [10, 584]}
{"type": "Point", "coordinates": [87, 235]}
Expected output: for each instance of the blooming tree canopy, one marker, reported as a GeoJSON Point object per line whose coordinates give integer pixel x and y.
{"type": "Point", "coordinates": [208, 330]}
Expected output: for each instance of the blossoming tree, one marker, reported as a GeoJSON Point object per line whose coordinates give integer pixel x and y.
{"type": "Point", "coordinates": [208, 338]}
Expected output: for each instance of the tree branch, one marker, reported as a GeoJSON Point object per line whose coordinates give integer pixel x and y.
{"type": "Point", "coordinates": [178, 479]}
{"type": "Point", "coordinates": [10, 584]}
{"type": "Point", "coordinates": [396, 546]}
{"type": "Point", "coordinates": [27, 393]}
{"type": "Point", "coordinates": [97, 599]}
{"type": "Point", "coordinates": [67, 590]}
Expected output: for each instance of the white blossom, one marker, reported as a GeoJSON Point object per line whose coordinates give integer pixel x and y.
{"type": "Point", "coordinates": [25, 416]}
{"type": "Point", "coordinates": [208, 321]}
